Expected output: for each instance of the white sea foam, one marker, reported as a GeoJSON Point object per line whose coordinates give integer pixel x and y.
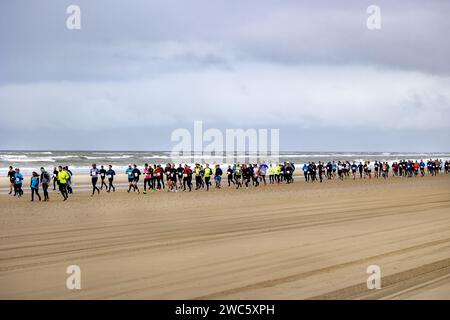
{"type": "Point", "coordinates": [80, 161]}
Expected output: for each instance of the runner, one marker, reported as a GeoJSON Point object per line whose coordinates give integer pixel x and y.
{"type": "Point", "coordinates": [62, 177]}
{"type": "Point", "coordinates": [198, 177]}
{"type": "Point", "coordinates": [422, 168]}
{"type": "Point", "coordinates": [34, 185]}
{"type": "Point", "coordinates": [180, 173]}
{"type": "Point", "coordinates": [167, 174]}
{"type": "Point", "coordinates": [375, 169]}
{"type": "Point", "coordinates": [238, 176]}
{"type": "Point", "coordinates": [278, 173]}
{"type": "Point", "coordinates": [230, 176]}
{"type": "Point", "coordinates": [354, 167]}
{"type": "Point", "coordinates": [329, 170]}
{"type": "Point", "coordinates": [385, 170]}
{"type": "Point", "coordinates": [263, 171]}
{"type": "Point", "coordinates": [102, 177]}
{"type": "Point", "coordinates": [69, 181]}
{"type": "Point", "coordinates": [340, 170]}
{"type": "Point", "coordinates": [153, 178]}
{"type": "Point", "coordinates": [172, 179]}
{"type": "Point", "coordinates": [255, 175]}
{"type": "Point", "coordinates": [158, 172]}
{"type": "Point", "coordinates": [346, 169]}
{"type": "Point", "coordinates": [312, 171]}
{"type": "Point", "coordinates": [147, 178]}
{"type": "Point", "coordinates": [94, 172]}
{"type": "Point", "coordinates": [247, 173]}
{"type": "Point", "coordinates": [395, 168]}
{"type": "Point", "coordinates": [110, 174]}
{"type": "Point", "coordinates": [271, 174]}
{"type": "Point", "coordinates": [306, 171]}
{"type": "Point", "coordinates": [136, 174]}
{"type": "Point", "coordinates": [55, 178]}
{"type": "Point", "coordinates": [282, 172]}
{"type": "Point", "coordinates": [187, 178]}
{"type": "Point", "coordinates": [45, 180]}
{"type": "Point", "coordinates": [18, 183]}
{"type": "Point", "coordinates": [334, 167]}
{"type": "Point", "coordinates": [289, 173]}
{"type": "Point", "coordinates": [369, 169]}
{"type": "Point", "coordinates": [320, 169]}
{"type": "Point", "coordinates": [416, 168]}
{"type": "Point", "coordinates": [218, 176]}
{"type": "Point", "coordinates": [409, 169]}
{"type": "Point", "coordinates": [12, 179]}
{"type": "Point", "coordinates": [130, 176]}
{"type": "Point", "coordinates": [207, 174]}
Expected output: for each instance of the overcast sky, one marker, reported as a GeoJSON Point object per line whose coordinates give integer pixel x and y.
{"type": "Point", "coordinates": [137, 70]}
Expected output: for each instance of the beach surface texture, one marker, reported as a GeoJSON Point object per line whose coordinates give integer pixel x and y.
{"type": "Point", "coordinates": [297, 241]}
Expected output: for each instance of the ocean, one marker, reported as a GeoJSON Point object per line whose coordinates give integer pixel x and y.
{"type": "Point", "coordinates": [80, 161]}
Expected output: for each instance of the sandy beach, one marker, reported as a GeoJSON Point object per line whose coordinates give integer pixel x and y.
{"type": "Point", "coordinates": [299, 241]}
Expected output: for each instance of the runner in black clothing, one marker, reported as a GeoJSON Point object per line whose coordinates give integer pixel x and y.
{"type": "Point", "coordinates": [238, 171]}
{"type": "Point", "coordinates": [55, 178]}
{"type": "Point", "coordinates": [102, 177]}
{"type": "Point", "coordinates": [136, 174]}
{"type": "Point", "coordinates": [12, 179]}
{"type": "Point", "coordinates": [375, 166]}
{"type": "Point", "coordinates": [218, 176]}
{"type": "Point", "coordinates": [247, 172]}
{"type": "Point", "coordinates": [329, 170]}
{"type": "Point", "coordinates": [45, 180]}
{"type": "Point", "coordinates": [198, 176]}
{"type": "Point", "coordinates": [173, 178]}
{"type": "Point", "coordinates": [312, 171]}
{"type": "Point", "coordinates": [94, 172]}
{"type": "Point", "coordinates": [354, 167]}
{"type": "Point", "coordinates": [111, 173]}
{"type": "Point", "coordinates": [289, 173]}
{"type": "Point", "coordinates": [283, 172]}
{"type": "Point", "coordinates": [69, 182]}
{"type": "Point", "coordinates": [320, 168]}
{"type": "Point", "coordinates": [230, 176]}
{"type": "Point", "coordinates": [360, 170]}
{"type": "Point", "coordinates": [180, 172]}
{"type": "Point", "coordinates": [152, 177]}
{"type": "Point", "coordinates": [167, 174]}
{"type": "Point", "coordinates": [255, 175]}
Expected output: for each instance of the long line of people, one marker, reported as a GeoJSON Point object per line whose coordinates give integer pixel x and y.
{"type": "Point", "coordinates": [369, 170]}
{"type": "Point", "coordinates": [185, 177]}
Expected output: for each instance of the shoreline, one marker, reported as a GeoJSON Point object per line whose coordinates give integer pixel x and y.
{"type": "Point", "coordinates": [81, 161]}
{"type": "Point", "coordinates": [82, 182]}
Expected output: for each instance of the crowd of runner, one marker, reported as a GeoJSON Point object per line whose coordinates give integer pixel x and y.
{"type": "Point", "coordinates": [185, 177]}
{"type": "Point", "coordinates": [376, 169]}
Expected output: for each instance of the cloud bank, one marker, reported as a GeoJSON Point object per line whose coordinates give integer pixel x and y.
{"type": "Point", "coordinates": [154, 66]}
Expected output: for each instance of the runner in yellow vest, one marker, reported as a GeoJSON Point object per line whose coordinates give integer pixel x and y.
{"type": "Point", "coordinates": [207, 174]}
{"type": "Point", "coordinates": [62, 177]}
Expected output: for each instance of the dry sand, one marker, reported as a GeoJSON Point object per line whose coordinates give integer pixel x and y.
{"type": "Point", "coordinates": [280, 242]}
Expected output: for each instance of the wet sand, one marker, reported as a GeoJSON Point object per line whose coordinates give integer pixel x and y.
{"type": "Point", "coordinates": [298, 241]}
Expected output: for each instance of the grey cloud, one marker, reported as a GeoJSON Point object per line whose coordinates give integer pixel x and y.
{"type": "Point", "coordinates": [312, 69]}
{"type": "Point", "coordinates": [115, 37]}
